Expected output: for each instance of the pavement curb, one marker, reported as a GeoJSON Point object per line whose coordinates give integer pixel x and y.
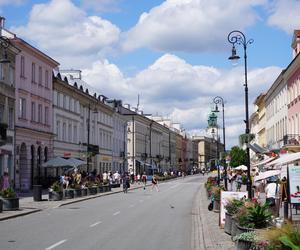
{"type": "Point", "coordinates": [20, 214]}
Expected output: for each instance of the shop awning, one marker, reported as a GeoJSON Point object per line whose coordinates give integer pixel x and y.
{"type": "Point", "coordinates": [263, 162]}
{"type": "Point", "coordinates": [284, 159]}
{"type": "Point", "coordinates": [241, 167]}
{"type": "Point", "coordinates": [267, 174]}
{"type": "Point", "coordinates": [257, 149]}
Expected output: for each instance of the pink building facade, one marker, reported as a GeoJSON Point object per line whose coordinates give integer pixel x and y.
{"type": "Point", "coordinates": [33, 116]}
{"type": "Point", "coordinates": [292, 78]}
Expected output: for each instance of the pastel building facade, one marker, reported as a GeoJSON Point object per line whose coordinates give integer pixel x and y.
{"type": "Point", "coordinates": [33, 113]}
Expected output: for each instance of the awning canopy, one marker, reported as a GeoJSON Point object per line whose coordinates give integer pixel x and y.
{"type": "Point", "coordinates": [285, 159]}
{"type": "Point", "coordinates": [58, 162]}
{"type": "Point", "coordinates": [263, 162]}
{"type": "Point", "coordinates": [267, 174]}
{"type": "Point", "coordinates": [77, 162]}
{"type": "Point", "coordinates": [257, 149]}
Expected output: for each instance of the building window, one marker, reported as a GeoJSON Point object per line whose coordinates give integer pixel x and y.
{"type": "Point", "coordinates": [70, 104]}
{"type": "Point", "coordinates": [75, 134]}
{"type": "Point", "coordinates": [33, 111]}
{"type": "Point", "coordinates": [64, 131]}
{"type": "Point", "coordinates": [11, 75]}
{"type": "Point", "coordinates": [33, 73]}
{"type": "Point", "coordinates": [22, 66]}
{"type": "Point", "coordinates": [58, 99]}
{"type": "Point", "coordinates": [58, 129]}
{"type": "Point", "coordinates": [40, 75]}
{"type": "Point", "coordinates": [46, 115]}
{"type": "Point", "coordinates": [64, 101]}
{"type": "Point", "coordinates": [47, 78]}
{"type": "Point", "coordinates": [1, 113]}
{"type": "Point", "coordinates": [11, 118]}
{"type": "Point", "coordinates": [1, 71]}
{"type": "Point", "coordinates": [70, 133]}
{"type": "Point", "coordinates": [40, 113]}
{"type": "Point", "coordinates": [22, 108]}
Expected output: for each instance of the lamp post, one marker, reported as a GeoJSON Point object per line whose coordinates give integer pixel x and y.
{"type": "Point", "coordinates": [213, 124]}
{"type": "Point", "coordinates": [219, 100]}
{"type": "Point", "coordinates": [238, 37]}
{"type": "Point", "coordinates": [88, 137]}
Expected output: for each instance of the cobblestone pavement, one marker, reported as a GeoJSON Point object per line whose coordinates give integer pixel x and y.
{"type": "Point", "coordinates": [206, 233]}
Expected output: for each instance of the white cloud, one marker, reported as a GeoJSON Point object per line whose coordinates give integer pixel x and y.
{"type": "Point", "coordinates": [66, 33]}
{"type": "Point", "coordinates": [190, 25]}
{"type": "Point", "coordinates": [102, 5]}
{"type": "Point", "coordinates": [172, 87]}
{"type": "Point", "coordinates": [284, 15]}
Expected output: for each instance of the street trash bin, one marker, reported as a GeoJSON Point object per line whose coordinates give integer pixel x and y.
{"type": "Point", "coordinates": [37, 192]}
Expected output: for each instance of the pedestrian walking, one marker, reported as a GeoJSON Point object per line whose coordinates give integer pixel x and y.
{"type": "Point", "coordinates": [239, 181]}
{"type": "Point", "coordinates": [5, 181]}
{"type": "Point", "coordinates": [126, 183]}
{"type": "Point", "coordinates": [144, 180]}
{"type": "Point", "coordinates": [154, 183]}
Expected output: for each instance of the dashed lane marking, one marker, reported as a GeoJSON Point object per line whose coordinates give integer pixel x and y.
{"type": "Point", "coordinates": [56, 244]}
{"type": "Point", "coordinates": [96, 223]}
{"type": "Point", "coordinates": [116, 213]}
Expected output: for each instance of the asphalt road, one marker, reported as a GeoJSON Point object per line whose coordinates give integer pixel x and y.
{"type": "Point", "coordinates": [138, 220]}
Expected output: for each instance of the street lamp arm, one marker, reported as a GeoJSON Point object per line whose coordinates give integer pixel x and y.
{"type": "Point", "coordinates": [238, 37]}
{"type": "Point", "coordinates": [219, 100]}
{"type": "Point", "coordinates": [4, 42]}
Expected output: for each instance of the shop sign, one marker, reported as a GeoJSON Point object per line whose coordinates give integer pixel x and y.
{"type": "Point", "coordinates": [294, 183]}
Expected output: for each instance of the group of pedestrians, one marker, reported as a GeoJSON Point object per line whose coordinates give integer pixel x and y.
{"type": "Point", "coordinates": [126, 179]}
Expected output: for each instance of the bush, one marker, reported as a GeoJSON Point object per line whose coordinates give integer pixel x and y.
{"type": "Point", "coordinates": [247, 236]}
{"type": "Point", "coordinates": [8, 193]}
{"type": "Point", "coordinates": [233, 206]}
{"type": "Point", "coordinates": [56, 187]}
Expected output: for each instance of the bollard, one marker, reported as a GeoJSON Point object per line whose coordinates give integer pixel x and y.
{"type": "Point", "coordinates": [286, 210]}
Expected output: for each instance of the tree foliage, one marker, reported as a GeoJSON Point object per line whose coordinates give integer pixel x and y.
{"type": "Point", "coordinates": [238, 156]}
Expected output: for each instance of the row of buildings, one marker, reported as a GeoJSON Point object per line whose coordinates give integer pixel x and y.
{"type": "Point", "coordinates": [46, 112]}
{"type": "Point", "coordinates": [276, 119]}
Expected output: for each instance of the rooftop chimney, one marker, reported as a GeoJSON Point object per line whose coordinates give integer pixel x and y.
{"type": "Point", "coordinates": [2, 22]}
{"type": "Point", "coordinates": [296, 43]}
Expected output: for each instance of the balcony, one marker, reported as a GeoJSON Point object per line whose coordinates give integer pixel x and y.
{"type": "Point", "coordinates": [291, 142]}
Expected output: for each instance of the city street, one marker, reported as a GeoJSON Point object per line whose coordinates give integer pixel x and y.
{"type": "Point", "coordinates": [137, 220]}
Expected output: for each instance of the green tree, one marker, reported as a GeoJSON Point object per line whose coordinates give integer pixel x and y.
{"type": "Point", "coordinates": [238, 156]}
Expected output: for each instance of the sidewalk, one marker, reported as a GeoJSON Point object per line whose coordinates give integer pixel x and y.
{"type": "Point", "coordinates": [206, 233]}
{"type": "Point", "coordinates": [28, 206]}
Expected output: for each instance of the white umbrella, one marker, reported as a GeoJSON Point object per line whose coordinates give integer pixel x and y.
{"type": "Point", "coordinates": [241, 167]}
{"type": "Point", "coordinates": [265, 175]}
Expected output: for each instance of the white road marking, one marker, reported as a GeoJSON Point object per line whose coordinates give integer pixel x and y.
{"type": "Point", "coordinates": [132, 205]}
{"type": "Point", "coordinates": [116, 213]}
{"type": "Point", "coordinates": [96, 223]}
{"type": "Point", "coordinates": [56, 244]}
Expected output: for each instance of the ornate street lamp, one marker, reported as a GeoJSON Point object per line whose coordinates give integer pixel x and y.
{"type": "Point", "coordinates": [4, 43]}
{"type": "Point", "coordinates": [219, 100]}
{"type": "Point", "coordinates": [238, 37]}
{"type": "Point", "coordinates": [213, 124]}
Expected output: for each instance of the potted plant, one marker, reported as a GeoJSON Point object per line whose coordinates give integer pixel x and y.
{"type": "Point", "coordinates": [232, 207]}
{"type": "Point", "coordinates": [92, 188]}
{"type": "Point", "coordinates": [84, 190]}
{"type": "Point", "coordinates": [77, 190]}
{"type": "Point", "coordinates": [286, 237]}
{"type": "Point", "coordinates": [106, 186]}
{"type": "Point", "coordinates": [245, 241]}
{"type": "Point", "coordinates": [9, 199]}
{"type": "Point", "coordinates": [216, 196]}
{"type": "Point", "coordinates": [253, 216]}
{"type": "Point", "coordinates": [55, 192]}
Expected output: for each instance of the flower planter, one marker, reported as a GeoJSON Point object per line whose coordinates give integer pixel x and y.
{"type": "Point", "coordinates": [233, 227]}
{"type": "Point", "coordinates": [10, 203]}
{"type": "Point", "coordinates": [1, 206]}
{"type": "Point", "coordinates": [241, 229]}
{"type": "Point", "coordinates": [77, 193]}
{"type": "Point", "coordinates": [69, 193]}
{"type": "Point", "coordinates": [216, 206]}
{"type": "Point", "coordinates": [115, 185]}
{"type": "Point", "coordinates": [84, 192]}
{"type": "Point", "coordinates": [55, 196]}
{"type": "Point", "coordinates": [228, 223]}
{"type": "Point", "coordinates": [100, 189]}
{"type": "Point", "coordinates": [106, 188]}
{"type": "Point", "coordinates": [92, 190]}
{"type": "Point", "coordinates": [243, 244]}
